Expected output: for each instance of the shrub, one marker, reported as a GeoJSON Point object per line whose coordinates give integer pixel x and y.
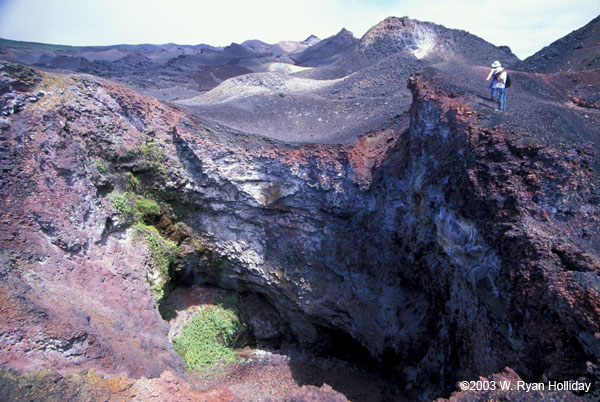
{"type": "Point", "coordinates": [133, 184]}
{"type": "Point", "coordinates": [154, 156]}
{"type": "Point", "coordinates": [121, 202]}
{"type": "Point", "coordinates": [151, 152]}
{"type": "Point", "coordinates": [134, 208]}
{"type": "Point", "coordinates": [206, 338]}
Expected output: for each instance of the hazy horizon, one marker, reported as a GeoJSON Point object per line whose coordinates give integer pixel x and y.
{"type": "Point", "coordinates": [112, 22]}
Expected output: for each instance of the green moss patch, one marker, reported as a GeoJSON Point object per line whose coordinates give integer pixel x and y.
{"type": "Point", "coordinates": [206, 339]}
{"type": "Point", "coordinates": [145, 208]}
{"type": "Point", "coordinates": [138, 210]}
{"type": "Point", "coordinates": [133, 184]}
{"type": "Point", "coordinates": [135, 208]}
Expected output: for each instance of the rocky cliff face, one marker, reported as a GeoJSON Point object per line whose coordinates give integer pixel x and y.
{"type": "Point", "coordinates": [441, 249]}
{"type": "Point", "coordinates": [504, 268]}
{"type": "Point", "coordinates": [67, 283]}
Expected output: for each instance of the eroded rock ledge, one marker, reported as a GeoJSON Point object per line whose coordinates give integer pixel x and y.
{"type": "Point", "coordinates": [448, 250]}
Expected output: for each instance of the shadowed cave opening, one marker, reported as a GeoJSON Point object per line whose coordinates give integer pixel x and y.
{"type": "Point", "coordinates": [333, 357]}
{"type": "Point", "coordinates": [258, 312]}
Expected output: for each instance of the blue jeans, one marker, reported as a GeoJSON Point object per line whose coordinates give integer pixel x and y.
{"type": "Point", "coordinates": [492, 89]}
{"type": "Point", "coordinates": [501, 98]}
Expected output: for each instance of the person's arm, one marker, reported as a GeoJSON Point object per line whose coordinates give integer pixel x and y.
{"type": "Point", "coordinates": [503, 77]}
{"type": "Point", "coordinates": [490, 75]}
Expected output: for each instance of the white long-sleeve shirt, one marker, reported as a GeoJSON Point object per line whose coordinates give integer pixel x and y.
{"type": "Point", "coordinates": [493, 72]}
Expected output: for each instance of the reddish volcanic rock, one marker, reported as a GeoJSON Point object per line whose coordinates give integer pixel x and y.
{"type": "Point", "coordinates": [89, 386]}
{"type": "Point", "coordinates": [309, 393]}
{"type": "Point", "coordinates": [73, 297]}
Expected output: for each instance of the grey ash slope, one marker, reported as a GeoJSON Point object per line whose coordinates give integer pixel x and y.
{"type": "Point", "coordinates": [326, 51]}
{"type": "Point", "coordinates": [363, 89]}
{"type": "Point", "coordinates": [429, 41]}
{"type": "Point", "coordinates": [579, 50]}
{"type": "Point", "coordinates": [166, 72]}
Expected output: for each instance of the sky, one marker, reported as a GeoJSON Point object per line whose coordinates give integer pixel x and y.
{"type": "Point", "coordinates": [524, 25]}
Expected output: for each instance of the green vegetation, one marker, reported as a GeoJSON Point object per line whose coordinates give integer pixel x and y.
{"type": "Point", "coordinates": [134, 208]}
{"type": "Point", "coordinates": [154, 156]}
{"type": "Point", "coordinates": [100, 167]}
{"type": "Point", "coordinates": [151, 151]}
{"type": "Point", "coordinates": [164, 252]}
{"type": "Point", "coordinates": [145, 208]}
{"type": "Point", "coordinates": [133, 184]}
{"type": "Point", "coordinates": [206, 338]}
{"type": "Point", "coordinates": [121, 202]}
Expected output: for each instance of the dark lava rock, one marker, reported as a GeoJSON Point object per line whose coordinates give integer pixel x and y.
{"type": "Point", "coordinates": [446, 251]}
{"type": "Point", "coordinates": [21, 78]}
{"type": "Point", "coordinates": [63, 62]}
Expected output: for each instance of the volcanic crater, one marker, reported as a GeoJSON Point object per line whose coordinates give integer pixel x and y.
{"type": "Point", "coordinates": [379, 229]}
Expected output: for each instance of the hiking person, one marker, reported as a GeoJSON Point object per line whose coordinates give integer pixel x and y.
{"type": "Point", "coordinates": [501, 83]}
{"type": "Point", "coordinates": [496, 66]}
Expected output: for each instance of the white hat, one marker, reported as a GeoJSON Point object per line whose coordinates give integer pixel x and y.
{"type": "Point", "coordinates": [496, 64]}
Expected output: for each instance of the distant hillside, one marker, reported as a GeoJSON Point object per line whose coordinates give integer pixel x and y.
{"type": "Point", "coordinates": [36, 45]}
{"type": "Point", "coordinates": [414, 43]}
{"type": "Point", "coordinates": [579, 50]}
{"type": "Point", "coordinates": [326, 51]}
{"type": "Point", "coordinates": [144, 47]}
{"type": "Point", "coordinates": [281, 47]}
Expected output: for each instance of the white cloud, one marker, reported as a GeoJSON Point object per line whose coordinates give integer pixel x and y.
{"type": "Point", "coordinates": [525, 26]}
